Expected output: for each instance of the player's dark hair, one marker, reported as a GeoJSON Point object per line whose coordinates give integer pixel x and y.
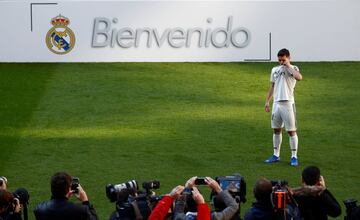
{"type": "Point", "coordinates": [311, 175]}
{"type": "Point", "coordinates": [262, 189]}
{"type": "Point", "coordinates": [60, 185]}
{"type": "Point", "coordinates": [283, 52]}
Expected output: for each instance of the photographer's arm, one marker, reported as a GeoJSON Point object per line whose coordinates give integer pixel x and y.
{"type": "Point", "coordinates": [90, 211]}
{"type": "Point", "coordinates": [203, 210]}
{"type": "Point", "coordinates": [162, 208]}
{"type": "Point", "coordinates": [231, 207]}
{"type": "Point", "coordinates": [331, 205]}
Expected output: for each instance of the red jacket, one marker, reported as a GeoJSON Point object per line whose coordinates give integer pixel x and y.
{"type": "Point", "coordinates": [162, 209]}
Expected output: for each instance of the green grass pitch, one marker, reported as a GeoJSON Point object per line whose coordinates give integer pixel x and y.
{"type": "Point", "coordinates": [112, 122]}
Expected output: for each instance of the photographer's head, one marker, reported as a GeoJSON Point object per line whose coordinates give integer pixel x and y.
{"type": "Point", "coordinates": [6, 199]}
{"type": "Point", "coordinates": [60, 185]}
{"type": "Point", "coordinates": [311, 175]}
{"type": "Point", "coordinates": [263, 189]}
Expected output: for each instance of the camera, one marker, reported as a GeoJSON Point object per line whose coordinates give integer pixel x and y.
{"type": "Point", "coordinates": [236, 186]}
{"type": "Point", "coordinates": [22, 195]}
{"type": "Point", "coordinates": [351, 205]}
{"type": "Point", "coordinates": [75, 184]}
{"type": "Point", "coordinates": [284, 205]}
{"type": "Point", "coordinates": [112, 191]}
{"type": "Point", "coordinates": [279, 195]}
{"type": "Point", "coordinates": [200, 181]}
{"type": "Point", "coordinates": [153, 184]}
{"type": "Point", "coordinates": [130, 202]}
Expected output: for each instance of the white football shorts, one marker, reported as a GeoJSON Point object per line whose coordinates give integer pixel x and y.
{"type": "Point", "coordinates": [284, 113]}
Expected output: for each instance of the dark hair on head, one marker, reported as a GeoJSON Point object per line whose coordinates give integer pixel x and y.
{"type": "Point", "coordinates": [219, 203]}
{"type": "Point", "coordinates": [283, 52]}
{"type": "Point", "coordinates": [6, 198]}
{"type": "Point", "coordinates": [311, 175]}
{"type": "Point", "coordinates": [60, 185]}
{"type": "Point", "coordinates": [262, 189]}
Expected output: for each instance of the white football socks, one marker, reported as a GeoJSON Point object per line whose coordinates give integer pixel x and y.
{"type": "Point", "coordinates": [293, 145]}
{"type": "Point", "coordinates": [277, 138]}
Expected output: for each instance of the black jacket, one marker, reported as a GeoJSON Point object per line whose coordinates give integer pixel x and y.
{"type": "Point", "coordinates": [11, 216]}
{"type": "Point", "coordinates": [318, 207]}
{"type": "Point", "coordinates": [260, 211]}
{"type": "Point", "coordinates": [62, 209]}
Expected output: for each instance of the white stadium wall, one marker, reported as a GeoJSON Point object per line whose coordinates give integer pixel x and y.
{"type": "Point", "coordinates": [175, 31]}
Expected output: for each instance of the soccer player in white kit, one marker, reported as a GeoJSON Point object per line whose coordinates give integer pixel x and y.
{"type": "Point", "coordinates": [283, 79]}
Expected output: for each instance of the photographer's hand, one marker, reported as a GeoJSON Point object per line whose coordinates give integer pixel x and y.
{"type": "Point", "coordinates": [176, 192]}
{"type": "Point", "coordinates": [199, 199]}
{"type": "Point", "coordinates": [213, 184]}
{"type": "Point", "coordinates": [82, 194]}
{"type": "Point", "coordinates": [4, 182]}
{"type": "Point", "coordinates": [322, 181]}
{"type": "Point", "coordinates": [191, 182]}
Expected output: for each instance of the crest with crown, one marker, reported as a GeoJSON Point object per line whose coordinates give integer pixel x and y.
{"type": "Point", "coordinates": [60, 21]}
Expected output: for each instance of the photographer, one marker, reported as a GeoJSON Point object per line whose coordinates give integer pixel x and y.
{"type": "Point", "coordinates": [262, 209]}
{"type": "Point", "coordinates": [59, 208]}
{"type": "Point", "coordinates": [315, 201]}
{"type": "Point", "coordinates": [164, 205]}
{"type": "Point", "coordinates": [200, 208]}
{"type": "Point", "coordinates": [225, 205]}
{"type": "Point", "coordinates": [9, 206]}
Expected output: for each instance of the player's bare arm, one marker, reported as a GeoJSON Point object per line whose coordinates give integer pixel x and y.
{"type": "Point", "coordinates": [268, 97]}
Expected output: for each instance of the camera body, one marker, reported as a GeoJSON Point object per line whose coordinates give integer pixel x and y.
{"type": "Point", "coordinates": [114, 191]}
{"type": "Point", "coordinates": [351, 205]}
{"type": "Point", "coordinates": [149, 185]}
{"type": "Point", "coordinates": [200, 181]}
{"type": "Point", "coordinates": [130, 202]}
{"type": "Point", "coordinates": [280, 194]}
{"type": "Point", "coordinates": [75, 184]}
{"type": "Point", "coordinates": [22, 195]}
{"type": "Point", "coordinates": [235, 184]}
{"type": "Point", "coordinates": [284, 205]}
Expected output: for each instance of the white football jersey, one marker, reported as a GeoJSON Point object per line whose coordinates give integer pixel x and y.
{"type": "Point", "coordinates": [284, 83]}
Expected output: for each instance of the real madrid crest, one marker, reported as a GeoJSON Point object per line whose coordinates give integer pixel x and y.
{"type": "Point", "coordinates": [60, 39]}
